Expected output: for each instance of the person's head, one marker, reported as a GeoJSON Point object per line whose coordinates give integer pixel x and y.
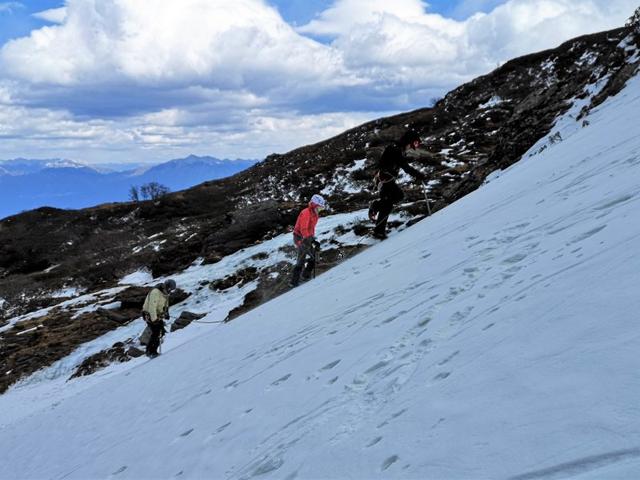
{"type": "Point", "coordinates": [410, 139]}
{"type": "Point", "coordinates": [169, 285]}
{"type": "Point", "coordinates": [318, 202]}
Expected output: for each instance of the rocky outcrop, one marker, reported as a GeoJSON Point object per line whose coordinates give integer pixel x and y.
{"type": "Point", "coordinates": [120, 352]}
{"type": "Point", "coordinates": [239, 279]}
{"type": "Point", "coordinates": [133, 297]}
{"type": "Point", "coordinates": [37, 343]}
{"type": "Point", "coordinates": [185, 319]}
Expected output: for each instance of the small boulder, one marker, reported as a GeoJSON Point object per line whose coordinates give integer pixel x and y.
{"type": "Point", "coordinates": [185, 319]}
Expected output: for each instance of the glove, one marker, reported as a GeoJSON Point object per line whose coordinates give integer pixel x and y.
{"type": "Point", "coordinates": [316, 245]}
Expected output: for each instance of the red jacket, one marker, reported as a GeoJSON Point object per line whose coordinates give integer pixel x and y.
{"type": "Point", "coordinates": [306, 224]}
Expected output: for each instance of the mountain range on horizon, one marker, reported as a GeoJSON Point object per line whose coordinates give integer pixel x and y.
{"type": "Point", "coordinates": [26, 184]}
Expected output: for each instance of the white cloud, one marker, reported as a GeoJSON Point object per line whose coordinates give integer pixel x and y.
{"type": "Point", "coordinates": [344, 15]}
{"type": "Point", "coordinates": [238, 125]}
{"type": "Point", "coordinates": [53, 15]}
{"type": "Point", "coordinates": [229, 45]}
{"type": "Point", "coordinates": [161, 79]}
{"type": "Point", "coordinates": [398, 45]}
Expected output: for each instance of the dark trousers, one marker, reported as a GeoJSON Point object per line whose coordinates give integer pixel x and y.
{"type": "Point", "coordinates": [157, 330]}
{"type": "Point", "coordinates": [305, 264]}
{"type": "Point", "coordinates": [390, 194]}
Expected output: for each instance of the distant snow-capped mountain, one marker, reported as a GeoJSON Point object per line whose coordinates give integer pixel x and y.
{"type": "Point", "coordinates": [26, 184]}
{"type": "Point", "coordinates": [24, 166]}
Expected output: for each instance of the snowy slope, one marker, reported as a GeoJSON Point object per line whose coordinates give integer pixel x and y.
{"type": "Point", "coordinates": [496, 339]}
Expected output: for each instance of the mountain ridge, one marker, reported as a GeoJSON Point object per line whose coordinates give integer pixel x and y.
{"type": "Point", "coordinates": [467, 136]}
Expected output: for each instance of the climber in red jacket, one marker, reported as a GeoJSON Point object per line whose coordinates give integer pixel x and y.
{"type": "Point", "coordinates": [305, 240]}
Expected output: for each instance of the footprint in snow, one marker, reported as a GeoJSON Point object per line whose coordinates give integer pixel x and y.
{"type": "Point", "coordinates": [586, 235]}
{"type": "Point", "coordinates": [223, 427]}
{"type": "Point", "coordinates": [612, 203]}
{"type": "Point", "coordinates": [377, 366]}
{"type": "Point", "coordinates": [120, 470]}
{"type": "Point", "coordinates": [187, 433]}
{"type": "Point", "coordinates": [515, 258]}
{"type": "Point", "coordinates": [329, 366]}
{"type": "Point", "coordinates": [267, 466]}
{"type": "Point", "coordinates": [449, 358]}
{"type": "Point", "coordinates": [281, 379]}
{"type": "Point", "coordinates": [388, 462]}
{"type": "Point", "coordinates": [389, 320]}
{"type": "Point", "coordinates": [374, 442]}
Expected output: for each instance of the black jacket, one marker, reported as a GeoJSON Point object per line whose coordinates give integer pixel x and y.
{"type": "Point", "coordinates": [392, 160]}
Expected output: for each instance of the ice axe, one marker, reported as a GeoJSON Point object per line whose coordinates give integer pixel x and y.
{"type": "Point", "coordinates": [424, 190]}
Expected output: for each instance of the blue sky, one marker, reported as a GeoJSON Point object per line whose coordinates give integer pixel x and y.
{"type": "Point", "coordinates": [118, 81]}
{"type": "Point", "coordinates": [17, 20]}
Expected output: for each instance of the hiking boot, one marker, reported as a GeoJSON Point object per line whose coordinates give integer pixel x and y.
{"type": "Point", "coordinates": [379, 235]}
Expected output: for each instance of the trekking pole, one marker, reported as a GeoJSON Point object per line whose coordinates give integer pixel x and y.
{"type": "Point", "coordinates": [315, 261]}
{"type": "Point", "coordinates": [424, 190]}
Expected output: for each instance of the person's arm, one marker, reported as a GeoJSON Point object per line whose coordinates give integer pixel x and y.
{"type": "Point", "coordinates": [162, 306]}
{"type": "Point", "coordinates": [412, 171]}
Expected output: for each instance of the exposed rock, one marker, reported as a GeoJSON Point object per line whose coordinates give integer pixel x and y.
{"type": "Point", "coordinates": [120, 352]}
{"type": "Point", "coordinates": [133, 297]}
{"type": "Point", "coordinates": [134, 352]}
{"type": "Point", "coordinates": [185, 319]}
{"type": "Point", "coordinates": [275, 280]}
{"type": "Point", "coordinates": [239, 278]}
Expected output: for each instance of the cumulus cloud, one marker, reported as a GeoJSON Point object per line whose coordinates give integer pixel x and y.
{"type": "Point", "coordinates": [344, 15]}
{"type": "Point", "coordinates": [232, 45]}
{"type": "Point", "coordinates": [402, 40]}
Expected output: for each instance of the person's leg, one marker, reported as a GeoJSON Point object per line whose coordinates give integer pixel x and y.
{"type": "Point", "coordinates": [297, 270]}
{"type": "Point", "coordinates": [154, 339]}
{"type": "Point", "coordinates": [390, 194]}
{"type": "Point", "coordinates": [374, 208]}
{"type": "Point", "coordinates": [308, 267]}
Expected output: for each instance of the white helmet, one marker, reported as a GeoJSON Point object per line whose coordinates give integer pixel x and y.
{"type": "Point", "coordinates": [318, 200]}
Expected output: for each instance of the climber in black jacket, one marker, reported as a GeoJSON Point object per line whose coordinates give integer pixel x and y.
{"type": "Point", "coordinates": [392, 160]}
